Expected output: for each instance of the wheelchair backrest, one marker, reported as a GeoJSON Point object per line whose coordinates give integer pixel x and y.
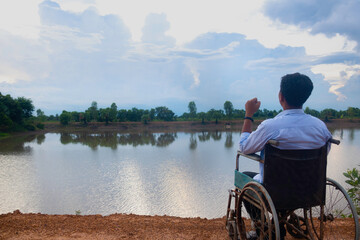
{"type": "Point", "coordinates": [295, 178]}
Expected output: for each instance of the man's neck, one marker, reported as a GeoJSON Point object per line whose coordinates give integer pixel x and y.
{"type": "Point", "coordinates": [287, 107]}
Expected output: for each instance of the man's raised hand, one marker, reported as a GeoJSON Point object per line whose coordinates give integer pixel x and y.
{"type": "Point", "coordinates": [251, 107]}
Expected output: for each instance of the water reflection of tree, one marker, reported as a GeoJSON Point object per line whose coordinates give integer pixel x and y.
{"type": "Point", "coordinates": [216, 135]}
{"type": "Point", "coordinates": [112, 140]}
{"type": "Point", "coordinates": [165, 139]}
{"type": "Point", "coordinates": [138, 139]}
{"type": "Point", "coordinates": [40, 139]}
{"type": "Point", "coordinates": [206, 136]}
{"type": "Point", "coordinates": [193, 142]}
{"type": "Point", "coordinates": [342, 134]}
{"type": "Point", "coordinates": [229, 142]}
{"type": "Point", "coordinates": [351, 135]}
{"type": "Point", "coordinates": [16, 145]}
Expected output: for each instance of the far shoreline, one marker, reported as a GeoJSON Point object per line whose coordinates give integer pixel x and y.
{"type": "Point", "coordinates": [162, 126]}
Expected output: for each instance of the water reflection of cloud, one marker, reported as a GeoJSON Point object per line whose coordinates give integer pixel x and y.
{"type": "Point", "coordinates": [130, 189]}
{"type": "Point", "coordinates": [178, 190]}
{"type": "Point", "coordinates": [18, 185]}
{"type": "Point", "coordinates": [173, 180]}
{"type": "Point", "coordinates": [344, 156]}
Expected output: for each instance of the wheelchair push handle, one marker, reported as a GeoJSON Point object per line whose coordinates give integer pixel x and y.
{"type": "Point", "coordinates": [277, 143]}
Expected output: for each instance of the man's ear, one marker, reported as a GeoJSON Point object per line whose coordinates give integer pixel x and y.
{"type": "Point", "coordinates": [282, 100]}
{"type": "Point", "coordinates": [281, 97]}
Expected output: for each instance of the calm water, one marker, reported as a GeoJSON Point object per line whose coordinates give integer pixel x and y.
{"type": "Point", "coordinates": [178, 174]}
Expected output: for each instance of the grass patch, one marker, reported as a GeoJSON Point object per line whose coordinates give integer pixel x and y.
{"type": "Point", "coordinates": [4, 135]}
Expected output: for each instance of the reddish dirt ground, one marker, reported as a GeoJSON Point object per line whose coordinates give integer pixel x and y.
{"type": "Point", "coordinates": [117, 226]}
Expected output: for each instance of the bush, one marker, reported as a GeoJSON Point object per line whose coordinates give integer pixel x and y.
{"type": "Point", "coordinates": [145, 118]}
{"type": "Point", "coordinates": [353, 179]}
{"type": "Point", "coordinates": [40, 126]}
{"type": "Point", "coordinates": [29, 127]}
{"type": "Point", "coordinates": [5, 122]}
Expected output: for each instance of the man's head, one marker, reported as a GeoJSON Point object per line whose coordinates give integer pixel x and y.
{"type": "Point", "coordinates": [296, 89]}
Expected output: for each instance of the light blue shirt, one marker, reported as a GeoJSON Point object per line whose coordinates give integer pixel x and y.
{"type": "Point", "coordinates": [292, 128]}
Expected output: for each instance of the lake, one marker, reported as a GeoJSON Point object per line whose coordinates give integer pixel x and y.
{"type": "Point", "coordinates": [177, 174]}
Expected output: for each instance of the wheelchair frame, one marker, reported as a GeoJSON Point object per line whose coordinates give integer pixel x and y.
{"type": "Point", "coordinates": [267, 226]}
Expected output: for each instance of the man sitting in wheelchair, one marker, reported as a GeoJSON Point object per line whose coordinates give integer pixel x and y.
{"type": "Point", "coordinates": [292, 128]}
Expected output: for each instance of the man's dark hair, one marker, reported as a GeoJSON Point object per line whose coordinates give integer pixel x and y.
{"type": "Point", "coordinates": [296, 89]}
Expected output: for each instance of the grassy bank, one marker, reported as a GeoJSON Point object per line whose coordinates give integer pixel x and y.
{"type": "Point", "coordinates": [4, 135]}
{"type": "Point", "coordinates": [174, 126]}
{"type": "Point", "coordinates": [186, 126]}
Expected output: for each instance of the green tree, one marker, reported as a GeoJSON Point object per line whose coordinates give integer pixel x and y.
{"type": "Point", "coordinates": [328, 113]}
{"type": "Point", "coordinates": [75, 116]}
{"type": "Point", "coordinates": [145, 118]}
{"type": "Point", "coordinates": [5, 122]}
{"type": "Point", "coordinates": [40, 115]}
{"type": "Point", "coordinates": [192, 109]}
{"type": "Point", "coordinates": [65, 118]}
{"type": "Point", "coordinates": [215, 114]}
{"type": "Point", "coordinates": [152, 114]}
{"type": "Point", "coordinates": [11, 108]}
{"type": "Point", "coordinates": [93, 110]}
{"type": "Point", "coordinates": [104, 114]}
{"type": "Point", "coordinates": [163, 113]}
{"type": "Point", "coordinates": [353, 112]}
{"type": "Point", "coordinates": [185, 116]}
{"type": "Point", "coordinates": [312, 112]}
{"type": "Point", "coordinates": [14, 112]}
{"type": "Point", "coordinates": [239, 114]}
{"type": "Point", "coordinates": [26, 106]}
{"type": "Point", "coordinates": [113, 112]}
{"type": "Point", "coordinates": [121, 115]}
{"type": "Point", "coordinates": [83, 118]}
{"type": "Point", "coordinates": [229, 109]}
{"type": "Point", "coordinates": [202, 116]}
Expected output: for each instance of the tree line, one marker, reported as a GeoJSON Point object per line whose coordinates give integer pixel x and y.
{"type": "Point", "coordinates": [16, 114]}
{"type": "Point", "coordinates": [162, 113]}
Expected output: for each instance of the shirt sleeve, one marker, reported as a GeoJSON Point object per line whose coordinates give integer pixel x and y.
{"type": "Point", "coordinates": [255, 141]}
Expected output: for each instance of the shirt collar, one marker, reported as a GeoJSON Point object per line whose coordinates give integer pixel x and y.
{"type": "Point", "coordinates": [290, 112]}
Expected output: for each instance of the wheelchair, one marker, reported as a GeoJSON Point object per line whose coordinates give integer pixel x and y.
{"type": "Point", "coordinates": [295, 197]}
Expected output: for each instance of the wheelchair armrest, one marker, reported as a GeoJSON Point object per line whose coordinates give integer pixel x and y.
{"type": "Point", "coordinates": [252, 156]}
{"type": "Point", "coordinates": [335, 141]}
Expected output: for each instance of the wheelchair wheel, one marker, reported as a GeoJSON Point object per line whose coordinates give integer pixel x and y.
{"type": "Point", "coordinates": [299, 222]}
{"type": "Point", "coordinates": [231, 226]}
{"type": "Point", "coordinates": [256, 214]}
{"type": "Point", "coordinates": [340, 220]}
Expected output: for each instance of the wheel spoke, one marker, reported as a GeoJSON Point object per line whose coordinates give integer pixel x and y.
{"type": "Point", "coordinates": [336, 223]}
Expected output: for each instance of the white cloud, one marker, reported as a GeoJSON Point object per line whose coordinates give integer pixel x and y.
{"type": "Point", "coordinates": [20, 17]}
{"type": "Point", "coordinates": [192, 65]}
{"type": "Point", "coordinates": [189, 19]}
{"type": "Point", "coordinates": [114, 51]}
{"type": "Point", "coordinates": [154, 30]}
{"type": "Point", "coordinates": [337, 75]}
{"type": "Point", "coordinates": [8, 74]}
{"type": "Point", "coordinates": [70, 38]}
{"type": "Point", "coordinates": [332, 18]}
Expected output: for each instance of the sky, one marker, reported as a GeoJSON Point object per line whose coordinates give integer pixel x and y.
{"type": "Point", "coordinates": [64, 54]}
